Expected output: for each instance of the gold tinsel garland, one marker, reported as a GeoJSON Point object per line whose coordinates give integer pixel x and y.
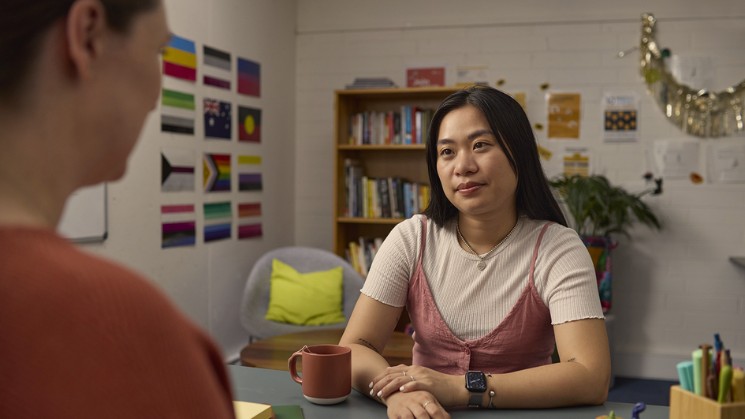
{"type": "Point", "coordinates": [696, 112]}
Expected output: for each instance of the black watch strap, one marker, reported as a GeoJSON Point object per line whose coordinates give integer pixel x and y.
{"type": "Point", "coordinates": [474, 400]}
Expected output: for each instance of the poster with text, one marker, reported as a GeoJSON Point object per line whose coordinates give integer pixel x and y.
{"type": "Point", "coordinates": [563, 115]}
{"type": "Point", "coordinates": [620, 122]}
{"type": "Point", "coordinates": [576, 162]}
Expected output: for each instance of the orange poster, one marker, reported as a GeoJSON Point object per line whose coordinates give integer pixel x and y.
{"type": "Point", "coordinates": [563, 115]}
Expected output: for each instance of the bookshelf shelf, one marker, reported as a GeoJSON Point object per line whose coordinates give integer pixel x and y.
{"type": "Point", "coordinates": [375, 147]}
{"type": "Point", "coordinates": [360, 220]}
{"type": "Point", "coordinates": [379, 160]}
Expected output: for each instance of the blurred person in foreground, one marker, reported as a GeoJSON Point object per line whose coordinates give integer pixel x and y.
{"type": "Point", "coordinates": [81, 337]}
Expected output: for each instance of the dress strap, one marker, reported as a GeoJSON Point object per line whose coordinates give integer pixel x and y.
{"type": "Point", "coordinates": [423, 238]}
{"type": "Point", "coordinates": [535, 250]}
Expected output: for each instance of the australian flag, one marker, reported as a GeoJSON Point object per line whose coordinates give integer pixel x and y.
{"type": "Point", "coordinates": [217, 119]}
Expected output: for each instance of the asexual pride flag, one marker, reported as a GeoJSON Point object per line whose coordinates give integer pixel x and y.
{"type": "Point", "coordinates": [217, 66]}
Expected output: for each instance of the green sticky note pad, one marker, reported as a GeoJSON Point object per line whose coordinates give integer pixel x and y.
{"type": "Point", "coordinates": [290, 411]}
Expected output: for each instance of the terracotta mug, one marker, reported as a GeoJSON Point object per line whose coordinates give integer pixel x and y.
{"type": "Point", "coordinates": [326, 372]}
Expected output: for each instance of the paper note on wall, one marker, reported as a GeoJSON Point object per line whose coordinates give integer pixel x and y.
{"type": "Point", "coordinates": [676, 159]}
{"type": "Point", "coordinates": [727, 162]}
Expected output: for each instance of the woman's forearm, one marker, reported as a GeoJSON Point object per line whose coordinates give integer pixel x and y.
{"type": "Point", "coordinates": [366, 364]}
{"type": "Point", "coordinates": [554, 385]}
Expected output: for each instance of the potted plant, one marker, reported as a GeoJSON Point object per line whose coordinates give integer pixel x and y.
{"type": "Point", "coordinates": [599, 210]}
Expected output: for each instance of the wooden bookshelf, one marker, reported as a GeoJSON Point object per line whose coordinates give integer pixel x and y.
{"type": "Point", "coordinates": [406, 161]}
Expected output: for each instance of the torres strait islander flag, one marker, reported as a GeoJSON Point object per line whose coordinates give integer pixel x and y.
{"type": "Point", "coordinates": [249, 77]}
{"type": "Point", "coordinates": [180, 59]}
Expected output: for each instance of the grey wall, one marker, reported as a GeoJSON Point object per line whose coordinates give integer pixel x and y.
{"type": "Point", "coordinates": [673, 289]}
{"type": "Point", "coordinates": [206, 281]}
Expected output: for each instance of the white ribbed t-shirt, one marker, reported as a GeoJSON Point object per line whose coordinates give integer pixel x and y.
{"type": "Point", "coordinates": [472, 302]}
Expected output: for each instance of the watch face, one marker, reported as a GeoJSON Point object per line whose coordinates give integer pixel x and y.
{"type": "Point", "coordinates": [476, 381]}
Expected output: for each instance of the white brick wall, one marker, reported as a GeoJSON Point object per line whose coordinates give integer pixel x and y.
{"type": "Point", "coordinates": [672, 289]}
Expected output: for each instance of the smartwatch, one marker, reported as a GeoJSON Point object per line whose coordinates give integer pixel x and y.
{"type": "Point", "coordinates": [476, 386]}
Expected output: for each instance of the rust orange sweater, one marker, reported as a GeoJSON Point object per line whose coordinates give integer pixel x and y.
{"type": "Point", "coordinates": [81, 337]}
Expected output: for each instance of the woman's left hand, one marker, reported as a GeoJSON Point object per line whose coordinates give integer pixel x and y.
{"type": "Point", "coordinates": [405, 378]}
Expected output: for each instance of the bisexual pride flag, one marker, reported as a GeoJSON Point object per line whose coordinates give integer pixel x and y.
{"type": "Point", "coordinates": [217, 66]}
{"type": "Point", "coordinates": [180, 59]}
{"type": "Point", "coordinates": [217, 119]}
{"type": "Point", "coordinates": [249, 77]}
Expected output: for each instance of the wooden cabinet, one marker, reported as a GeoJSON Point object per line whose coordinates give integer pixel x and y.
{"type": "Point", "coordinates": [384, 160]}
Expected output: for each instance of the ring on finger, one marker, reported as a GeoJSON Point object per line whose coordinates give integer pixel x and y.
{"type": "Point", "coordinates": [426, 403]}
{"type": "Point", "coordinates": [412, 378]}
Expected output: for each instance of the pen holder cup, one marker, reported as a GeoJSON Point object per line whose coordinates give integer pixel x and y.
{"type": "Point", "coordinates": [687, 405]}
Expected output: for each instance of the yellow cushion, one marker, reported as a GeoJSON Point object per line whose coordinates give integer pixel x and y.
{"type": "Point", "coordinates": [311, 299]}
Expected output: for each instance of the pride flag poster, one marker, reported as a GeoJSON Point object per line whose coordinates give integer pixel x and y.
{"type": "Point", "coordinates": [249, 77]}
{"type": "Point", "coordinates": [249, 231]}
{"type": "Point", "coordinates": [178, 227]}
{"type": "Point", "coordinates": [177, 170]}
{"type": "Point", "coordinates": [177, 112]}
{"type": "Point", "coordinates": [249, 176]}
{"type": "Point", "coordinates": [216, 172]}
{"type": "Point", "coordinates": [217, 65]}
{"type": "Point", "coordinates": [250, 210]}
{"type": "Point", "coordinates": [249, 120]}
{"type": "Point", "coordinates": [180, 59]}
{"type": "Point", "coordinates": [217, 221]}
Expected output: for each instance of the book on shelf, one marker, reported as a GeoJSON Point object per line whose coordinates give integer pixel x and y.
{"type": "Point", "coordinates": [361, 253]}
{"type": "Point", "coordinates": [391, 197]}
{"type": "Point", "coordinates": [407, 125]}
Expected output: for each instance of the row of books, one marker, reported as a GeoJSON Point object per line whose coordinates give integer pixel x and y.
{"type": "Point", "coordinates": [407, 126]}
{"type": "Point", "coordinates": [361, 253]}
{"type": "Point", "coordinates": [391, 197]}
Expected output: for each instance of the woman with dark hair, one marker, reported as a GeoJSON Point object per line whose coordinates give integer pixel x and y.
{"type": "Point", "coordinates": [82, 337]}
{"type": "Point", "coordinates": [490, 275]}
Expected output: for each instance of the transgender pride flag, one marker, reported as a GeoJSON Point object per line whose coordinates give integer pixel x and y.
{"type": "Point", "coordinates": [249, 77]}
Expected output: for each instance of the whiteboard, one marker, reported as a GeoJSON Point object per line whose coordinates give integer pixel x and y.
{"type": "Point", "coordinates": [84, 216]}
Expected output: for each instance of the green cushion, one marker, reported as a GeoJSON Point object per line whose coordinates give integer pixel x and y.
{"type": "Point", "coordinates": [311, 299]}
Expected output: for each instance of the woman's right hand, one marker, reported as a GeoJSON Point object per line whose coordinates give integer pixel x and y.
{"type": "Point", "coordinates": [415, 404]}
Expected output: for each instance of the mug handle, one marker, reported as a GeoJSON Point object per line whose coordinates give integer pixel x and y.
{"type": "Point", "coordinates": [291, 363]}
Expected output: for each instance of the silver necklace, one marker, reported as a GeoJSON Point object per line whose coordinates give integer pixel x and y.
{"type": "Point", "coordinates": [482, 265]}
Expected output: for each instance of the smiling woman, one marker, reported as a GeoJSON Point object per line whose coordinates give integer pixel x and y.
{"type": "Point", "coordinates": [118, 345]}
{"type": "Point", "coordinates": [488, 270]}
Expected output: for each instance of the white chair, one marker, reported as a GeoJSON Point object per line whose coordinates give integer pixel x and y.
{"type": "Point", "coordinates": [304, 259]}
